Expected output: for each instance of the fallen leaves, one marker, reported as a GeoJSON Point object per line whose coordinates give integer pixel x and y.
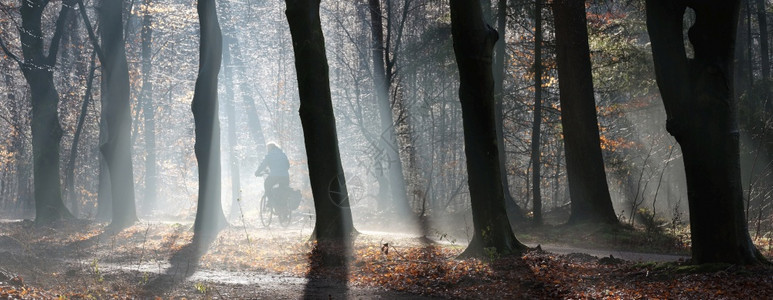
{"type": "Point", "coordinates": [398, 264]}
{"type": "Point", "coordinates": [18, 293]}
{"type": "Point", "coordinates": [588, 279]}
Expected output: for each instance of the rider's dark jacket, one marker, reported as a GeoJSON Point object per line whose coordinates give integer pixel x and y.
{"type": "Point", "coordinates": [277, 163]}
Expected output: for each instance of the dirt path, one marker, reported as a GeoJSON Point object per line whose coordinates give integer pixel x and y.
{"type": "Point", "coordinates": [247, 284]}
{"type": "Point", "coordinates": [245, 262]}
{"type": "Point", "coordinates": [102, 268]}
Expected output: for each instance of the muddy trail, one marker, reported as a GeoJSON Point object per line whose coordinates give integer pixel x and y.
{"type": "Point", "coordinates": [79, 259]}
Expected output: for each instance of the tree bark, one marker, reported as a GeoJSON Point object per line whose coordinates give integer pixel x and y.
{"type": "Point", "coordinates": [536, 153]}
{"type": "Point", "coordinates": [514, 212]}
{"type": "Point", "coordinates": [70, 179]}
{"type": "Point", "coordinates": [104, 191]}
{"type": "Point", "coordinates": [762, 21]}
{"type": "Point", "coordinates": [473, 45]}
{"type": "Point", "coordinates": [21, 194]}
{"type": "Point", "coordinates": [701, 115]}
{"type": "Point", "coordinates": [388, 139]}
{"type": "Point", "coordinates": [17, 143]}
{"type": "Point", "coordinates": [209, 212]}
{"type": "Point", "coordinates": [744, 73]}
{"type": "Point", "coordinates": [117, 148]}
{"type": "Point", "coordinates": [588, 187]}
{"type": "Point", "coordinates": [749, 42]}
{"type": "Point", "coordinates": [230, 112]}
{"type": "Point", "coordinates": [149, 111]}
{"type": "Point", "coordinates": [328, 184]}
{"type": "Point", "coordinates": [73, 72]}
{"type": "Point", "coordinates": [37, 68]}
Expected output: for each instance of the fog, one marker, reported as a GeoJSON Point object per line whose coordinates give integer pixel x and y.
{"type": "Point", "coordinates": [174, 162]}
{"type": "Point", "coordinates": [643, 162]}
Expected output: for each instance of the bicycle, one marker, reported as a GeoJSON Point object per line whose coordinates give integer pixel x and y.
{"type": "Point", "coordinates": [280, 202]}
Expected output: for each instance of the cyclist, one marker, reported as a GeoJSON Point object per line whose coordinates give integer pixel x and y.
{"type": "Point", "coordinates": [278, 171]}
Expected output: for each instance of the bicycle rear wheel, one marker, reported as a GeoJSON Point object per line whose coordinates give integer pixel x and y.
{"type": "Point", "coordinates": [265, 211]}
{"type": "Point", "coordinates": [284, 216]}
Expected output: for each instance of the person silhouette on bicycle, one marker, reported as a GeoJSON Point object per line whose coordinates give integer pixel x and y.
{"type": "Point", "coordinates": [278, 171]}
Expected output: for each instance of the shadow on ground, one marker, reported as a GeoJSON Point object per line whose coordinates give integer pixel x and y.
{"type": "Point", "coordinates": [328, 274]}
{"type": "Point", "coordinates": [183, 263]}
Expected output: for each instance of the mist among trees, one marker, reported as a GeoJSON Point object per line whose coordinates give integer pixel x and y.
{"type": "Point", "coordinates": [384, 148]}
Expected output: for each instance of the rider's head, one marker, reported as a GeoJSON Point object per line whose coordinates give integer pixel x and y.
{"type": "Point", "coordinates": [271, 146]}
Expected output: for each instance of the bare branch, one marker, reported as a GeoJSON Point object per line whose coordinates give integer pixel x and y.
{"type": "Point", "coordinates": [9, 53]}
{"type": "Point", "coordinates": [92, 36]}
{"type": "Point", "coordinates": [67, 7]}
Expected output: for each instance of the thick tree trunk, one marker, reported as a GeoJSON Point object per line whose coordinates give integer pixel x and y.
{"type": "Point", "coordinates": [588, 187]}
{"type": "Point", "coordinates": [46, 137]}
{"type": "Point", "coordinates": [209, 213]}
{"type": "Point", "coordinates": [388, 139]}
{"type": "Point", "coordinates": [473, 44]}
{"type": "Point", "coordinates": [536, 128]}
{"type": "Point", "coordinates": [104, 193]}
{"type": "Point", "coordinates": [46, 130]}
{"type": "Point", "coordinates": [149, 110]}
{"type": "Point", "coordinates": [328, 184]}
{"type": "Point", "coordinates": [701, 115]}
{"type": "Point", "coordinates": [117, 147]}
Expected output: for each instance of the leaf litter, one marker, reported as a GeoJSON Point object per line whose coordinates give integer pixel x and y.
{"type": "Point", "coordinates": [70, 261]}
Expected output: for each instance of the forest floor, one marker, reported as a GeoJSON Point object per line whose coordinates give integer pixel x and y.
{"type": "Point", "coordinates": [79, 259]}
